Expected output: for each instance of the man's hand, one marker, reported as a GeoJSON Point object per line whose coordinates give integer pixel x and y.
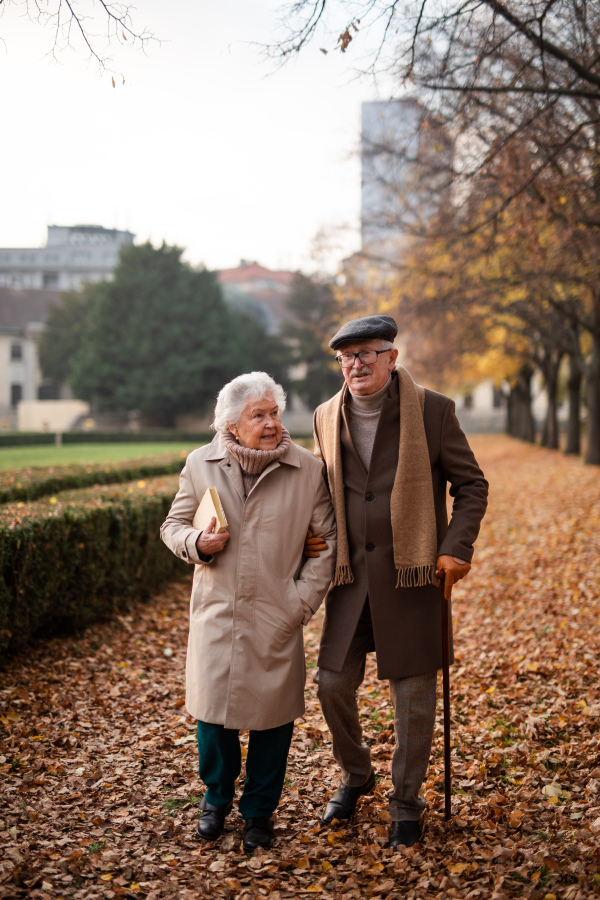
{"type": "Point", "coordinates": [313, 544]}
{"type": "Point", "coordinates": [451, 569]}
{"type": "Point", "coordinates": [208, 542]}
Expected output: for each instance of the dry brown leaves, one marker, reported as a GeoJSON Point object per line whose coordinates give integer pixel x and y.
{"type": "Point", "coordinates": [98, 756]}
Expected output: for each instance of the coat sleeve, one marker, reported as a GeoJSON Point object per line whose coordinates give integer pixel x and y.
{"type": "Point", "coordinates": [468, 488]}
{"type": "Point", "coordinates": [318, 452]}
{"type": "Point", "coordinates": [177, 531]}
{"type": "Point", "coordinates": [315, 575]}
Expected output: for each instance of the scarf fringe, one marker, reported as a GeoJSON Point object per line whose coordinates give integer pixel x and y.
{"type": "Point", "coordinates": [343, 575]}
{"type": "Point", "coordinates": [416, 576]}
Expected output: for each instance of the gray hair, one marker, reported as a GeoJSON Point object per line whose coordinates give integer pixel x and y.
{"type": "Point", "coordinates": [233, 397]}
{"type": "Point", "coordinates": [385, 345]}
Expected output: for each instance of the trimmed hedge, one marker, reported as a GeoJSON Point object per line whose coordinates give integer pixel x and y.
{"type": "Point", "coordinates": [30, 438]}
{"type": "Point", "coordinates": [137, 437]}
{"type": "Point", "coordinates": [80, 556]}
{"type": "Point", "coordinates": [26, 438]}
{"type": "Point", "coordinates": [34, 482]}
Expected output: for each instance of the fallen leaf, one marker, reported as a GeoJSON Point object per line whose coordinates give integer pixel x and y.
{"type": "Point", "coordinates": [456, 868]}
{"type": "Point", "coordinates": [552, 790]}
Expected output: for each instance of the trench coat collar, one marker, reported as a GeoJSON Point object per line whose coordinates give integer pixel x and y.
{"type": "Point", "coordinates": [216, 452]}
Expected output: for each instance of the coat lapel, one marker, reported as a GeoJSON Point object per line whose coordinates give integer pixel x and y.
{"type": "Point", "coordinates": [227, 463]}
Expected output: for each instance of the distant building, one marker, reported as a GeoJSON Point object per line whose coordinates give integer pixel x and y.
{"type": "Point", "coordinates": [73, 255]}
{"type": "Point", "coordinates": [262, 294]}
{"type": "Point", "coordinates": [258, 291]}
{"type": "Point", "coordinates": [22, 318]}
{"type": "Point", "coordinates": [404, 162]}
{"type": "Point", "coordinates": [31, 280]}
{"type": "Point", "coordinates": [388, 151]}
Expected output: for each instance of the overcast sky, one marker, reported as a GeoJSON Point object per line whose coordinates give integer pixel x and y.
{"type": "Point", "coordinates": [206, 145]}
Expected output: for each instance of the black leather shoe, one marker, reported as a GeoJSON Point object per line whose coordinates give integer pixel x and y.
{"type": "Point", "coordinates": [212, 820]}
{"type": "Point", "coordinates": [343, 803]}
{"type": "Point", "coordinates": [404, 834]}
{"type": "Point", "coordinates": [258, 833]}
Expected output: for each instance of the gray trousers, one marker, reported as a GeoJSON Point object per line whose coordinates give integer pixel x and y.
{"type": "Point", "coordinates": [413, 700]}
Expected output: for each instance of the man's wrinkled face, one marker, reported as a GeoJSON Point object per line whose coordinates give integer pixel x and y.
{"type": "Point", "coordinates": [367, 379]}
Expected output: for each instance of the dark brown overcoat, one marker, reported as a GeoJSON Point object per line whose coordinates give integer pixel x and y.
{"type": "Point", "coordinates": [406, 621]}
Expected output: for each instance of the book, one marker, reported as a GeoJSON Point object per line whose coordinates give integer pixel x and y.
{"type": "Point", "coordinates": [210, 506]}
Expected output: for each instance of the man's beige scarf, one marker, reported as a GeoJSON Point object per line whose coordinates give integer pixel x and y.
{"type": "Point", "coordinates": [411, 503]}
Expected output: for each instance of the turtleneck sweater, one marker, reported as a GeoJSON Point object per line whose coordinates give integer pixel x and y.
{"type": "Point", "coordinates": [364, 416]}
{"type": "Point", "coordinates": [253, 462]}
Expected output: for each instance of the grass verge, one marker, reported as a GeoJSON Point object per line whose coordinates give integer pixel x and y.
{"type": "Point", "coordinates": [32, 483]}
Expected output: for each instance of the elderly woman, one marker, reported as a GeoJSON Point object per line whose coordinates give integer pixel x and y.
{"type": "Point", "coordinates": [253, 591]}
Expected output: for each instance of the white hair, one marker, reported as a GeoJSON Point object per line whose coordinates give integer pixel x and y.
{"type": "Point", "coordinates": [232, 398]}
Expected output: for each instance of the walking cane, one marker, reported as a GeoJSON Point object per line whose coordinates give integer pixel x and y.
{"type": "Point", "coordinates": [446, 685]}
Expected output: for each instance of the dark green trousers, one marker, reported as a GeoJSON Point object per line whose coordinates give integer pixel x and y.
{"type": "Point", "coordinates": [220, 763]}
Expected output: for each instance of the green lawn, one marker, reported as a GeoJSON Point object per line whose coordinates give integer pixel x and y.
{"type": "Point", "coordinates": [84, 454]}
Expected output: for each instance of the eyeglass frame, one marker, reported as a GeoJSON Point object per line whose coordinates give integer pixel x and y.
{"type": "Point", "coordinates": [338, 359]}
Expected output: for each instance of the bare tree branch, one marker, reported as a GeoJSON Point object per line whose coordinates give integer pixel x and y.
{"type": "Point", "coordinates": [98, 24]}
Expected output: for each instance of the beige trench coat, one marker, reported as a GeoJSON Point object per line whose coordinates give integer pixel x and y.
{"type": "Point", "coordinates": [245, 661]}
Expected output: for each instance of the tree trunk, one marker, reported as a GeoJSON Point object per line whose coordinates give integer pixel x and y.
{"type": "Point", "coordinates": [544, 434]}
{"type": "Point", "coordinates": [550, 371]}
{"type": "Point", "coordinates": [574, 391]}
{"type": "Point", "coordinates": [592, 456]}
{"type": "Point", "coordinates": [520, 422]}
{"type": "Point", "coordinates": [510, 413]}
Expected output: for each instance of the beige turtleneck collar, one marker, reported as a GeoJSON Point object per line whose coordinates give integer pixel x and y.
{"type": "Point", "coordinates": [364, 418]}
{"type": "Point", "coordinates": [369, 402]}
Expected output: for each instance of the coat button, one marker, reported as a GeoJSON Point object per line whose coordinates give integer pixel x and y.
{"type": "Point", "coordinates": [369, 496]}
{"type": "Point", "coordinates": [228, 465]}
{"type": "Point", "coordinates": [370, 547]}
{"type": "Point", "coordinates": [184, 554]}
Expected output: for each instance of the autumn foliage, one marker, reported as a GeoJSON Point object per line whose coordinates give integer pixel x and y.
{"type": "Point", "coordinates": [98, 758]}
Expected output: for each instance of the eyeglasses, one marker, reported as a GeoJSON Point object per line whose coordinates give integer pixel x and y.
{"type": "Point", "coordinates": [367, 358]}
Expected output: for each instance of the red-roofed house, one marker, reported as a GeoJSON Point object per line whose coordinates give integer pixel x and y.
{"type": "Point", "coordinates": [259, 291]}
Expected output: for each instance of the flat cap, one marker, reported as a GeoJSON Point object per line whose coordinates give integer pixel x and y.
{"type": "Point", "coordinates": [364, 329]}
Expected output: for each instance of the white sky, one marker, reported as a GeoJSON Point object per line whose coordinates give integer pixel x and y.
{"type": "Point", "coordinates": [205, 146]}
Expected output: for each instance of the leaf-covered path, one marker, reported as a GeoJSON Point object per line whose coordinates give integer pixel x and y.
{"type": "Point", "coordinates": [97, 756]}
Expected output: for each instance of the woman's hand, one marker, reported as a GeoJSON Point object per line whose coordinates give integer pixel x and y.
{"type": "Point", "coordinates": [209, 542]}
{"type": "Point", "coordinates": [313, 544]}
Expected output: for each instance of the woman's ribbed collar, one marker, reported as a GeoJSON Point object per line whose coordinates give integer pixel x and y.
{"type": "Point", "coordinates": [254, 461]}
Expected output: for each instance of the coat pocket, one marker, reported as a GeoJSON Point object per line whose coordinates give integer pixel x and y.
{"type": "Point", "coordinates": [281, 613]}
{"type": "Point", "coordinates": [296, 606]}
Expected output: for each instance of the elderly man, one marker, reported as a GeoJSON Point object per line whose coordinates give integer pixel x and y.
{"type": "Point", "coordinates": [390, 447]}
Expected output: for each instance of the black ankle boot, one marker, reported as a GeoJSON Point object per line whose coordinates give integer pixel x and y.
{"type": "Point", "coordinates": [258, 832]}
{"type": "Point", "coordinates": [343, 803]}
{"type": "Point", "coordinates": [212, 820]}
{"type": "Point", "coordinates": [404, 834]}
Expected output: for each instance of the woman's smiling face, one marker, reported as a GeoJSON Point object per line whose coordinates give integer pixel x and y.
{"type": "Point", "coordinates": [259, 426]}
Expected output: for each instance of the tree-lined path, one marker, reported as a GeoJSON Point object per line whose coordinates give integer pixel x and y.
{"type": "Point", "coordinates": [98, 785]}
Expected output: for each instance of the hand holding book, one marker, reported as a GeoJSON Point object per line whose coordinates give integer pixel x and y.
{"type": "Point", "coordinates": [209, 542]}
{"type": "Point", "coordinates": [210, 520]}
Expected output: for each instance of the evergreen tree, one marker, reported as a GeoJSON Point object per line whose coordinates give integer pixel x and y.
{"type": "Point", "coordinates": [159, 338]}
{"type": "Point", "coordinates": [63, 334]}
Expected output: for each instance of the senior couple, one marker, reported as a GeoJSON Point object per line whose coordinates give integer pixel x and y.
{"type": "Point", "coordinates": [385, 451]}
